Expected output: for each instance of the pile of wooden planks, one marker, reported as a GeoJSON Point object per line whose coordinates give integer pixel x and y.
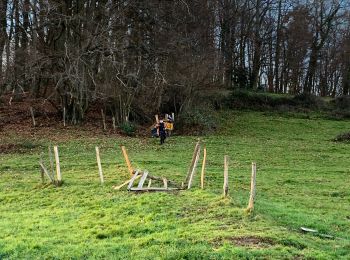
{"type": "Point", "coordinates": [143, 176]}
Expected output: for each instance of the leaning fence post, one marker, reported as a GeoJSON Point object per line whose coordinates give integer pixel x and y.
{"type": "Point", "coordinates": [58, 169]}
{"type": "Point", "coordinates": [194, 163]}
{"type": "Point", "coordinates": [203, 166]}
{"type": "Point", "coordinates": [225, 187]}
{"type": "Point", "coordinates": [252, 188]}
{"type": "Point", "coordinates": [131, 171]}
{"type": "Point", "coordinates": [99, 164]}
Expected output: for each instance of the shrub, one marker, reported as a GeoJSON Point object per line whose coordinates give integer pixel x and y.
{"type": "Point", "coordinates": [340, 108]}
{"type": "Point", "coordinates": [197, 121]}
{"type": "Point", "coordinates": [342, 103]}
{"type": "Point", "coordinates": [128, 128]}
{"type": "Point", "coordinates": [309, 101]}
{"type": "Point", "coordinates": [345, 137]}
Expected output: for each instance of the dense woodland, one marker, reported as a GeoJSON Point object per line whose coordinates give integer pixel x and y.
{"type": "Point", "coordinates": [141, 56]}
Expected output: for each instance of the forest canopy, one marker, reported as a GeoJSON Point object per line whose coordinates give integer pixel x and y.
{"type": "Point", "coordinates": [146, 55]}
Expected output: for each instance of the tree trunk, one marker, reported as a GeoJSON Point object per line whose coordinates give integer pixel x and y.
{"type": "Point", "coordinates": [3, 35]}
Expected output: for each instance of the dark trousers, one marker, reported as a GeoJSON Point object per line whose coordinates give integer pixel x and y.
{"type": "Point", "coordinates": [162, 138]}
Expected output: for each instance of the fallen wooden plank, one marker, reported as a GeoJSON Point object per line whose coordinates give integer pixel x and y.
{"type": "Point", "coordinates": [124, 184]}
{"type": "Point", "coordinates": [143, 178]}
{"type": "Point", "coordinates": [165, 181]}
{"type": "Point", "coordinates": [153, 189]}
{"type": "Point", "coordinates": [156, 178]}
{"type": "Point", "coordinates": [133, 179]}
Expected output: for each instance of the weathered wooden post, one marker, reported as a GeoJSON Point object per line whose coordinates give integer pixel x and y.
{"type": "Point", "coordinates": [193, 165]}
{"type": "Point", "coordinates": [32, 114]}
{"type": "Point", "coordinates": [113, 121]}
{"type": "Point", "coordinates": [99, 164]}
{"type": "Point", "coordinates": [64, 116]}
{"type": "Point", "coordinates": [252, 188]}
{"type": "Point", "coordinates": [103, 120]}
{"type": "Point", "coordinates": [41, 170]}
{"type": "Point", "coordinates": [58, 169]}
{"type": "Point", "coordinates": [127, 161]}
{"type": "Point", "coordinates": [203, 166]}
{"type": "Point", "coordinates": [225, 187]}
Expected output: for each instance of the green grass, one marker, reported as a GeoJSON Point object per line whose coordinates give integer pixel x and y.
{"type": "Point", "coordinates": [302, 181]}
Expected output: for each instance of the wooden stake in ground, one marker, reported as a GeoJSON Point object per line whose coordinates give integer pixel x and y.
{"type": "Point", "coordinates": [225, 187]}
{"type": "Point", "coordinates": [64, 116]}
{"type": "Point", "coordinates": [32, 114]}
{"type": "Point", "coordinates": [127, 161]}
{"type": "Point", "coordinates": [203, 166]}
{"type": "Point", "coordinates": [41, 170]}
{"type": "Point", "coordinates": [157, 119]}
{"type": "Point", "coordinates": [194, 167]}
{"type": "Point", "coordinates": [173, 116]}
{"type": "Point", "coordinates": [113, 121]}
{"type": "Point", "coordinates": [252, 188]}
{"type": "Point", "coordinates": [58, 169]}
{"type": "Point", "coordinates": [51, 162]}
{"type": "Point", "coordinates": [193, 162]}
{"type": "Point", "coordinates": [99, 164]}
{"type": "Point", "coordinates": [103, 120]}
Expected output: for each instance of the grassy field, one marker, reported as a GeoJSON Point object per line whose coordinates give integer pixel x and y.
{"type": "Point", "coordinates": [302, 181]}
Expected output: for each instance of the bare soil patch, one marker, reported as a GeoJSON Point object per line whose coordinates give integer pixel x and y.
{"type": "Point", "coordinates": [247, 241]}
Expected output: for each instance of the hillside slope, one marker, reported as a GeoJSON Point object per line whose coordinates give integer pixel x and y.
{"type": "Point", "coordinates": [302, 181]}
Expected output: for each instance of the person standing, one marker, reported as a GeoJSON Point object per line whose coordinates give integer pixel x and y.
{"type": "Point", "coordinates": [161, 131]}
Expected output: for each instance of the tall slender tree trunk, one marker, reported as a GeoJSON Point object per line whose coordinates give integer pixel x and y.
{"type": "Point", "coordinates": [3, 36]}
{"type": "Point", "coordinates": [278, 47]}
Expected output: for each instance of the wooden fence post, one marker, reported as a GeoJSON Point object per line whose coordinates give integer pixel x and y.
{"type": "Point", "coordinates": [64, 116]}
{"type": "Point", "coordinates": [252, 188]}
{"type": "Point", "coordinates": [113, 121]}
{"type": "Point", "coordinates": [58, 169]}
{"type": "Point", "coordinates": [127, 161]}
{"type": "Point", "coordinates": [51, 162]}
{"type": "Point", "coordinates": [103, 120]}
{"type": "Point", "coordinates": [193, 165]}
{"type": "Point", "coordinates": [203, 166]}
{"type": "Point", "coordinates": [99, 164]}
{"type": "Point", "coordinates": [32, 114]}
{"type": "Point", "coordinates": [225, 187]}
{"type": "Point", "coordinates": [42, 170]}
